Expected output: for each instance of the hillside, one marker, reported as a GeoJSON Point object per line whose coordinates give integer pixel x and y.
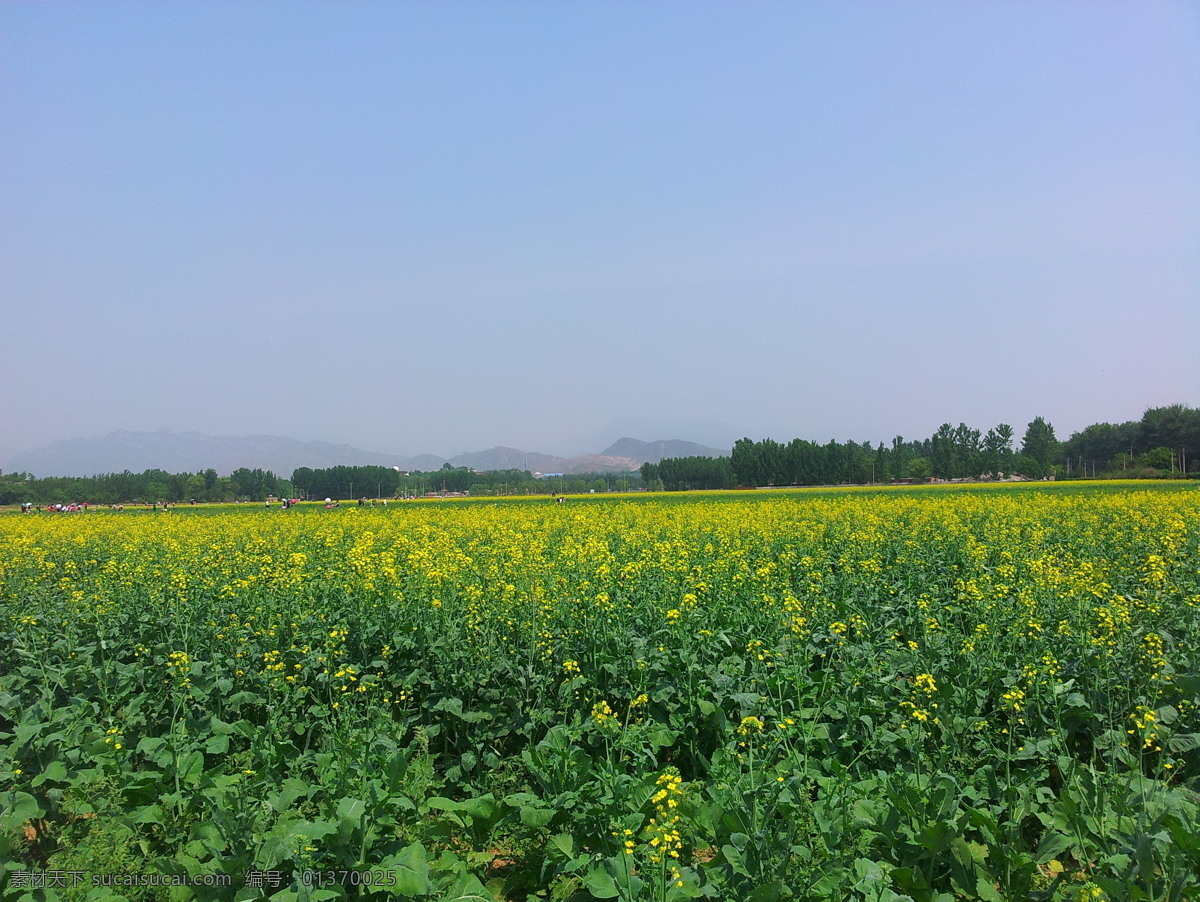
{"type": "Point", "coordinates": [653, 452]}
{"type": "Point", "coordinates": [191, 452]}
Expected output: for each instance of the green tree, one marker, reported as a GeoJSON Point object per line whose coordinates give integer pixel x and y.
{"type": "Point", "coordinates": [195, 487]}
{"type": "Point", "coordinates": [1158, 458]}
{"type": "Point", "coordinates": [945, 458]}
{"type": "Point", "coordinates": [996, 456]}
{"type": "Point", "coordinates": [1176, 427]}
{"type": "Point", "coordinates": [919, 469]}
{"type": "Point", "coordinates": [968, 445]}
{"type": "Point", "coordinates": [1027, 466]}
{"type": "Point", "coordinates": [1040, 445]}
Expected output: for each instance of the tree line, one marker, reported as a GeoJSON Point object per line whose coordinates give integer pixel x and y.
{"type": "Point", "coordinates": [952, 452]}
{"type": "Point", "coordinates": [342, 483]}
{"type": "Point", "coordinates": [1165, 441]}
{"type": "Point", "coordinates": [387, 482]}
{"type": "Point", "coordinates": [148, 487]}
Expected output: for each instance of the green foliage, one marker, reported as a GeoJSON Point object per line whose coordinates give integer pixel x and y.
{"type": "Point", "coordinates": [1131, 449]}
{"type": "Point", "coordinates": [1040, 444]}
{"type": "Point", "coordinates": [1159, 458]}
{"type": "Point", "coordinates": [919, 469]}
{"type": "Point", "coordinates": [682, 473]}
{"type": "Point", "coordinates": [150, 486]}
{"type": "Point", "coordinates": [384, 482]}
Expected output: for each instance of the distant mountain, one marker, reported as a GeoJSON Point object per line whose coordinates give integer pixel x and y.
{"type": "Point", "coordinates": [425, 463]}
{"type": "Point", "coordinates": [598, 463]}
{"type": "Point", "coordinates": [653, 452]}
{"type": "Point", "coordinates": [190, 452]}
{"type": "Point", "coordinates": [501, 458]}
{"type": "Point", "coordinates": [709, 432]}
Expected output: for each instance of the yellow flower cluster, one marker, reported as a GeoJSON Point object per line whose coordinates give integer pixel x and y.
{"type": "Point", "coordinates": [179, 664]}
{"type": "Point", "coordinates": [750, 726]}
{"type": "Point", "coordinates": [604, 716]}
{"type": "Point", "coordinates": [663, 833]}
{"type": "Point", "coordinates": [921, 705]}
{"type": "Point", "coordinates": [1145, 723]}
{"type": "Point", "coordinates": [1153, 656]}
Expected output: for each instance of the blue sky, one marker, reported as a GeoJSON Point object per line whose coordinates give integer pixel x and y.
{"type": "Point", "coordinates": [429, 227]}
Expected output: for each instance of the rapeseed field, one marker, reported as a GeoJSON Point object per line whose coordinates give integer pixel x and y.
{"type": "Point", "coordinates": [925, 694]}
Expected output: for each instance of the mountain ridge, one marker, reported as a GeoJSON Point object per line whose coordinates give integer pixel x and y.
{"type": "Point", "coordinates": [189, 452]}
{"type": "Point", "coordinates": [655, 451]}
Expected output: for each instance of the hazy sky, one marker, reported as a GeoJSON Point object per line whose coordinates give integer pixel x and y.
{"type": "Point", "coordinates": [436, 227]}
